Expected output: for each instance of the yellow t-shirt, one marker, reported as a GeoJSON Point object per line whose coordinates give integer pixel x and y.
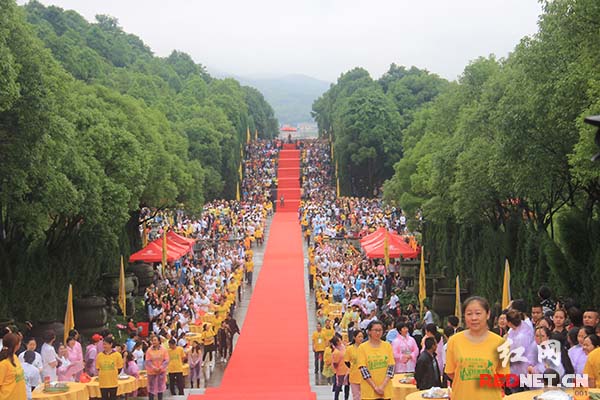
{"type": "Point", "coordinates": [176, 356]}
{"type": "Point", "coordinates": [329, 333]}
{"type": "Point", "coordinates": [249, 265]}
{"type": "Point", "coordinates": [377, 360]}
{"type": "Point", "coordinates": [337, 358]}
{"type": "Point", "coordinates": [351, 356]}
{"type": "Point", "coordinates": [12, 380]}
{"type": "Point", "coordinates": [319, 341]}
{"type": "Point", "coordinates": [592, 366]}
{"type": "Point", "coordinates": [208, 336]}
{"type": "Point", "coordinates": [108, 366]}
{"type": "Point", "coordinates": [468, 360]}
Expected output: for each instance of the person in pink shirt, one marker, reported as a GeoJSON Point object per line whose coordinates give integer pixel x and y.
{"type": "Point", "coordinates": [405, 350]}
{"type": "Point", "coordinates": [75, 355]}
{"type": "Point", "coordinates": [157, 360]}
{"type": "Point", "coordinates": [66, 370]}
{"type": "Point", "coordinates": [131, 368]}
{"type": "Point", "coordinates": [91, 351]}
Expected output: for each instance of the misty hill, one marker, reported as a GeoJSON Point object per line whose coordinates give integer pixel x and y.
{"type": "Point", "coordinates": [291, 96]}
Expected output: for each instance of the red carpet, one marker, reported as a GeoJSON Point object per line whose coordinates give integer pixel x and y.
{"type": "Point", "coordinates": [288, 178]}
{"type": "Point", "coordinates": [270, 360]}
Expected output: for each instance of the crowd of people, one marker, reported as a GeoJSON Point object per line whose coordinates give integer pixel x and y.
{"type": "Point", "coordinates": [368, 325]}
{"type": "Point", "coordinates": [190, 303]}
{"type": "Point", "coordinates": [361, 321]}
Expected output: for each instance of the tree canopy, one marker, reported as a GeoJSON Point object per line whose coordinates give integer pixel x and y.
{"type": "Point", "coordinates": [497, 163]}
{"type": "Point", "coordinates": [93, 127]}
{"type": "Point", "coordinates": [501, 159]}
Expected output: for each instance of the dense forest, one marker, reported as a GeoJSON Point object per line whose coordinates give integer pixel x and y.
{"type": "Point", "coordinates": [498, 162]}
{"type": "Point", "coordinates": [93, 127]}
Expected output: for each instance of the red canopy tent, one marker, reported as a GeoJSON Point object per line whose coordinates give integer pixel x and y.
{"type": "Point", "coordinates": [153, 252]}
{"type": "Point", "coordinates": [379, 235]}
{"type": "Point", "coordinates": [395, 250]}
{"type": "Point", "coordinates": [374, 245]}
{"type": "Point", "coordinates": [180, 240]}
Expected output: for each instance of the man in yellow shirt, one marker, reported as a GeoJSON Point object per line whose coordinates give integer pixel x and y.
{"type": "Point", "coordinates": [319, 342]}
{"type": "Point", "coordinates": [175, 367]}
{"type": "Point", "coordinates": [592, 368]}
{"type": "Point", "coordinates": [108, 364]}
{"type": "Point", "coordinates": [328, 330]}
{"type": "Point", "coordinates": [249, 264]}
{"type": "Point", "coordinates": [312, 269]}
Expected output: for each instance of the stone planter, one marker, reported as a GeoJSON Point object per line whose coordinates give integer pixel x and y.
{"type": "Point", "coordinates": [90, 314]}
{"type": "Point", "coordinates": [145, 275]}
{"type": "Point", "coordinates": [110, 284]}
{"type": "Point", "coordinates": [41, 327]}
{"type": "Point", "coordinates": [444, 300]}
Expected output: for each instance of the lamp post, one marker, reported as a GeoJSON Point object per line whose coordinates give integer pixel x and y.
{"type": "Point", "coordinates": [595, 121]}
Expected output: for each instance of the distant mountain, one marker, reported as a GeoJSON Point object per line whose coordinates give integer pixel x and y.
{"type": "Point", "coordinates": [291, 96]}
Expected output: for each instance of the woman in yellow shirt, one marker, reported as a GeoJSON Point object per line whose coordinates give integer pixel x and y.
{"type": "Point", "coordinates": [376, 364]}
{"type": "Point", "coordinates": [351, 357]}
{"type": "Point", "coordinates": [108, 364]}
{"type": "Point", "coordinates": [208, 340]}
{"type": "Point", "coordinates": [12, 377]}
{"type": "Point", "coordinates": [473, 352]}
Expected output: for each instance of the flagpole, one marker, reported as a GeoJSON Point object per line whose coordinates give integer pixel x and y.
{"type": "Point", "coordinates": [506, 295]}
{"type": "Point", "coordinates": [458, 305]}
{"type": "Point", "coordinates": [122, 294]}
{"type": "Point", "coordinates": [69, 315]}
{"type": "Point", "coordinates": [422, 282]}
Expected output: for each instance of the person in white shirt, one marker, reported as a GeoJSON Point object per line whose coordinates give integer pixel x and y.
{"type": "Point", "coordinates": [370, 305]}
{"type": "Point", "coordinates": [49, 357]}
{"type": "Point", "coordinates": [37, 361]}
{"type": "Point", "coordinates": [365, 322]}
{"type": "Point", "coordinates": [138, 355]}
{"type": "Point", "coordinates": [31, 372]}
{"type": "Point", "coordinates": [393, 303]}
{"type": "Point", "coordinates": [428, 317]}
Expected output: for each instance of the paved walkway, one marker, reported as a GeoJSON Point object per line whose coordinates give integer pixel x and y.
{"type": "Point", "coordinates": [318, 382]}
{"type": "Point", "coordinates": [239, 314]}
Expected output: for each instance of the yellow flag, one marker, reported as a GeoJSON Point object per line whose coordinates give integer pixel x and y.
{"type": "Point", "coordinates": [237, 192]}
{"type": "Point", "coordinates": [458, 305]}
{"type": "Point", "coordinates": [69, 315]}
{"type": "Point", "coordinates": [248, 135]}
{"type": "Point", "coordinates": [145, 236]}
{"type": "Point", "coordinates": [256, 134]}
{"type": "Point", "coordinates": [422, 282]}
{"type": "Point", "coordinates": [241, 153]}
{"type": "Point", "coordinates": [506, 286]}
{"type": "Point", "coordinates": [332, 150]}
{"type": "Point", "coordinates": [338, 187]}
{"type": "Point", "coordinates": [336, 168]}
{"type": "Point", "coordinates": [386, 251]}
{"type": "Point", "coordinates": [240, 171]}
{"type": "Point", "coordinates": [164, 250]}
{"type": "Point", "coordinates": [122, 294]}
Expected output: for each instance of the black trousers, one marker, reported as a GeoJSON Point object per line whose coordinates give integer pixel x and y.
{"type": "Point", "coordinates": [318, 361]}
{"type": "Point", "coordinates": [108, 393]}
{"type": "Point", "coordinates": [176, 379]}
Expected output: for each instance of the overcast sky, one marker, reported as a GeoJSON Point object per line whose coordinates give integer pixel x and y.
{"type": "Point", "coordinates": [323, 38]}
